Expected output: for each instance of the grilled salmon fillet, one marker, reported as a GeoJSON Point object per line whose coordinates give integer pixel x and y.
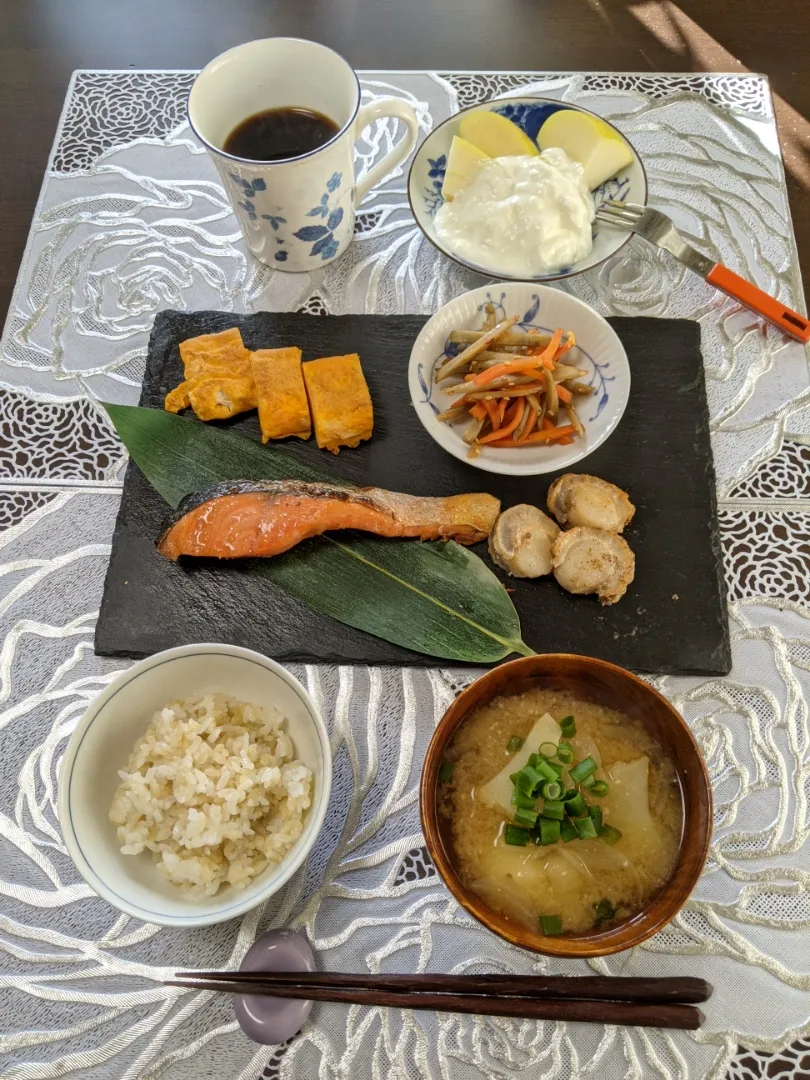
{"type": "Point", "coordinates": [261, 518]}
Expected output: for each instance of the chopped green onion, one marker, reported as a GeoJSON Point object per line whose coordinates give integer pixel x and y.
{"type": "Point", "coordinates": [514, 744]}
{"type": "Point", "coordinates": [588, 782]}
{"type": "Point", "coordinates": [595, 814]}
{"type": "Point", "coordinates": [571, 793]}
{"type": "Point", "coordinates": [533, 759]}
{"type": "Point", "coordinates": [576, 807]}
{"type": "Point", "coordinates": [549, 831]}
{"type": "Point", "coordinates": [445, 771]}
{"type": "Point", "coordinates": [565, 753]}
{"type": "Point", "coordinates": [529, 780]}
{"type": "Point", "coordinates": [610, 834]}
{"type": "Point", "coordinates": [525, 802]}
{"type": "Point", "coordinates": [604, 909]}
{"type": "Point", "coordinates": [568, 727]}
{"type": "Point", "coordinates": [568, 830]}
{"type": "Point", "coordinates": [551, 925]}
{"type": "Point", "coordinates": [548, 749]}
{"type": "Point", "coordinates": [552, 789]}
{"type": "Point", "coordinates": [586, 828]}
{"type": "Point", "coordinates": [558, 767]}
{"type": "Point", "coordinates": [583, 770]}
{"type": "Point", "coordinates": [552, 808]}
{"type": "Point", "coordinates": [547, 769]}
{"type": "Point", "coordinates": [526, 818]}
{"type": "Point", "coordinates": [599, 788]}
{"type": "Point", "coordinates": [516, 836]}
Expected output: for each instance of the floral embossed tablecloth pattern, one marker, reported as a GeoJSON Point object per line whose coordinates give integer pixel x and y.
{"type": "Point", "coordinates": [131, 220]}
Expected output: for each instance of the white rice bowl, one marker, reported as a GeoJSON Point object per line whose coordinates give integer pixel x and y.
{"type": "Point", "coordinates": [214, 791]}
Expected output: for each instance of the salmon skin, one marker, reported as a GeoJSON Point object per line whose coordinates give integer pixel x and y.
{"type": "Point", "coordinates": [260, 518]}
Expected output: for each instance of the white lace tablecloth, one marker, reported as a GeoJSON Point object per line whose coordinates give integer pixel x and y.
{"type": "Point", "coordinates": [132, 219]}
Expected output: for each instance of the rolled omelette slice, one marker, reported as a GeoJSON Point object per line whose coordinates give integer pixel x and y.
{"type": "Point", "coordinates": [221, 355]}
{"type": "Point", "coordinates": [281, 394]}
{"type": "Point", "coordinates": [340, 401]}
{"type": "Point", "coordinates": [214, 358]}
{"type": "Point", "coordinates": [220, 399]}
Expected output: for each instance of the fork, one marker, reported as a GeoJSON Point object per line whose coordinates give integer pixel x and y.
{"type": "Point", "coordinates": [659, 230]}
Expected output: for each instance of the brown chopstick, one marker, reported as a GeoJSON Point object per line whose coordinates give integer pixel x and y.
{"type": "Point", "coordinates": [631, 1013]}
{"type": "Point", "coordinates": [683, 990]}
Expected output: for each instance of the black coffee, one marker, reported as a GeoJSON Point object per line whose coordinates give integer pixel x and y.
{"type": "Point", "coordinates": [280, 133]}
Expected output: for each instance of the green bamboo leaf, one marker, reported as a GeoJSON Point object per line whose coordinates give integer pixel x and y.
{"type": "Point", "coordinates": [435, 598]}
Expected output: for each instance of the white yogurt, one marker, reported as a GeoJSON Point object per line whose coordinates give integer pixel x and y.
{"type": "Point", "coordinates": [521, 216]}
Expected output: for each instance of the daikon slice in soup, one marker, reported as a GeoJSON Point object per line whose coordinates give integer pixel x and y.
{"type": "Point", "coordinates": [562, 815]}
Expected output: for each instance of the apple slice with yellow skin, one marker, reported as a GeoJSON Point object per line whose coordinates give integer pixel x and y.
{"type": "Point", "coordinates": [495, 135]}
{"type": "Point", "coordinates": [594, 144]}
{"type": "Point", "coordinates": [462, 161]}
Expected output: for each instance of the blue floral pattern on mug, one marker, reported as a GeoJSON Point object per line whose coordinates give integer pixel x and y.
{"type": "Point", "coordinates": [275, 220]}
{"type": "Point", "coordinates": [322, 236]}
{"type": "Point", "coordinates": [248, 189]}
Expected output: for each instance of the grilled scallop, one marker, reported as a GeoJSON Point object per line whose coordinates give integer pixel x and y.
{"type": "Point", "coordinates": [521, 541]}
{"type": "Point", "coordinates": [578, 499]}
{"type": "Point", "coordinates": [593, 561]}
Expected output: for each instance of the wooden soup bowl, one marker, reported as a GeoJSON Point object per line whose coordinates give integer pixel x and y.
{"type": "Point", "coordinates": [613, 687]}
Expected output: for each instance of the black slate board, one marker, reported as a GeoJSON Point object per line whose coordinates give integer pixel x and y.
{"type": "Point", "coordinates": [673, 618]}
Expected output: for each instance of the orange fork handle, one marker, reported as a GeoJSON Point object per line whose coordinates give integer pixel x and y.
{"type": "Point", "coordinates": [789, 321]}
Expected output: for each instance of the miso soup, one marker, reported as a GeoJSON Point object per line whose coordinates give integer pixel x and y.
{"type": "Point", "coordinates": [562, 815]}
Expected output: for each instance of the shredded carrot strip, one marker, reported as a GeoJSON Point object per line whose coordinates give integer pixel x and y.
{"type": "Point", "coordinates": [547, 356]}
{"type": "Point", "coordinates": [559, 435]}
{"type": "Point", "coordinates": [509, 367]}
{"type": "Point", "coordinates": [499, 393]}
{"type": "Point", "coordinates": [478, 411]}
{"type": "Point", "coordinates": [569, 343]}
{"type": "Point", "coordinates": [544, 357]}
{"type": "Point", "coordinates": [502, 409]}
{"type": "Point", "coordinates": [512, 418]}
{"type": "Point", "coordinates": [529, 427]}
{"type": "Point", "coordinates": [564, 395]}
{"type": "Point", "coordinates": [526, 387]}
{"type": "Point", "coordinates": [548, 425]}
{"type": "Point", "coordinates": [492, 412]}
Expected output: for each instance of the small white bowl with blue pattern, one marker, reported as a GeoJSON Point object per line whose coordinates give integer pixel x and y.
{"type": "Point", "coordinates": [529, 113]}
{"type": "Point", "coordinates": [598, 352]}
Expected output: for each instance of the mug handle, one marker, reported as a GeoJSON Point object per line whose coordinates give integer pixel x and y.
{"type": "Point", "coordinates": [367, 115]}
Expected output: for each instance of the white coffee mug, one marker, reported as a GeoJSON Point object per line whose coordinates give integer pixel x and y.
{"type": "Point", "coordinates": [297, 213]}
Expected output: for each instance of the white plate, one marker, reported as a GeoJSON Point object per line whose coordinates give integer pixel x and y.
{"type": "Point", "coordinates": [598, 350]}
{"type": "Point", "coordinates": [102, 742]}
{"type": "Point", "coordinates": [529, 113]}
